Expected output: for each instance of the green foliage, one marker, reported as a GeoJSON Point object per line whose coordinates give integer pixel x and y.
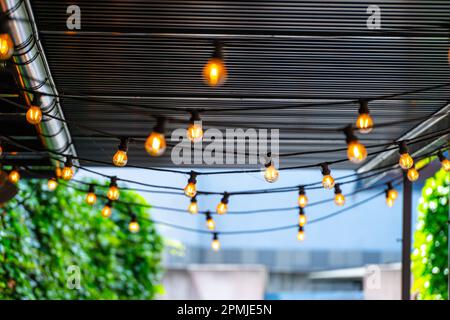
{"type": "Point", "coordinates": [48, 232]}
{"type": "Point", "coordinates": [430, 255]}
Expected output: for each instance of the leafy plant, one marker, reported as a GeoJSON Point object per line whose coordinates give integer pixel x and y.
{"type": "Point", "coordinates": [430, 255]}
{"type": "Point", "coordinates": [46, 236]}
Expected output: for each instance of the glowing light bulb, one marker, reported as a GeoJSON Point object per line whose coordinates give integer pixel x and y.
{"type": "Point", "coordinates": [444, 161]}
{"type": "Point", "coordinates": [271, 174]}
{"type": "Point", "coordinates": [300, 234]}
{"type": "Point", "coordinates": [133, 226]}
{"type": "Point", "coordinates": [107, 210]}
{"type": "Point", "coordinates": [91, 198]}
{"type": "Point", "coordinates": [327, 180]}
{"type": "Point", "coordinates": [210, 224]}
{"type": "Point", "coordinates": [391, 192]}
{"type": "Point", "coordinates": [6, 46]}
{"type": "Point", "coordinates": [339, 198]}
{"type": "Point", "coordinates": [113, 191]}
{"type": "Point", "coordinates": [193, 206]}
{"type": "Point", "coordinates": [302, 198]}
{"type": "Point", "coordinates": [58, 172]}
{"type": "Point", "coordinates": [14, 176]}
{"type": "Point", "coordinates": [194, 131]}
{"type": "Point", "coordinates": [215, 244]}
{"type": "Point", "coordinates": [120, 158]}
{"type": "Point", "coordinates": [215, 71]}
{"type": "Point", "coordinates": [222, 207]}
{"type": "Point", "coordinates": [405, 160]}
{"type": "Point", "coordinates": [302, 218]}
{"type": "Point", "coordinates": [52, 184]}
{"type": "Point", "coordinates": [68, 171]}
{"type": "Point", "coordinates": [412, 174]}
{"type": "Point", "coordinates": [356, 151]}
{"type": "Point", "coordinates": [364, 122]}
{"type": "Point", "coordinates": [389, 202]}
{"type": "Point", "coordinates": [155, 144]}
{"type": "Point", "coordinates": [34, 115]}
{"type": "Point", "coordinates": [191, 189]}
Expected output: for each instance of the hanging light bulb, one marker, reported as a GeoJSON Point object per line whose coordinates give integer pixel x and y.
{"type": "Point", "coordinates": [107, 209]}
{"type": "Point", "coordinates": [14, 176]}
{"type": "Point", "coordinates": [302, 218]}
{"type": "Point", "coordinates": [91, 198]}
{"type": "Point", "coordinates": [193, 206]}
{"type": "Point", "coordinates": [113, 191]}
{"type": "Point", "coordinates": [364, 122]}
{"type": "Point", "coordinates": [34, 113]}
{"type": "Point", "coordinates": [301, 234]}
{"type": "Point", "coordinates": [412, 174]}
{"type": "Point", "coordinates": [327, 180]}
{"type": "Point", "coordinates": [215, 71]}
{"type": "Point", "coordinates": [191, 189]}
{"type": "Point", "coordinates": [215, 244]}
{"type": "Point", "coordinates": [222, 207]}
{"type": "Point", "coordinates": [444, 161]}
{"type": "Point", "coordinates": [210, 224]}
{"type": "Point", "coordinates": [339, 198]}
{"type": "Point", "coordinates": [271, 174]}
{"type": "Point", "coordinates": [52, 184]}
{"type": "Point", "coordinates": [405, 160]}
{"type": "Point", "coordinates": [302, 198]}
{"type": "Point", "coordinates": [6, 46]}
{"type": "Point", "coordinates": [133, 226]}
{"type": "Point", "coordinates": [156, 142]}
{"type": "Point", "coordinates": [68, 171]}
{"type": "Point", "coordinates": [356, 151]}
{"type": "Point", "coordinates": [389, 200]}
{"type": "Point", "coordinates": [391, 192]}
{"type": "Point", "coordinates": [194, 131]}
{"type": "Point", "coordinates": [120, 158]}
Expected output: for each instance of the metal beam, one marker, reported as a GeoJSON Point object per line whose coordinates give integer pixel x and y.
{"type": "Point", "coordinates": [406, 238]}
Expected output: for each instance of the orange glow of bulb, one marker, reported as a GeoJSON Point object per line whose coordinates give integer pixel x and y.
{"type": "Point", "coordinates": [405, 161]}
{"type": "Point", "coordinates": [120, 158]}
{"type": "Point", "coordinates": [222, 208]}
{"type": "Point", "coordinates": [91, 198]}
{"type": "Point", "coordinates": [14, 176]}
{"type": "Point", "coordinates": [106, 211]}
{"type": "Point", "coordinates": [6, 46]}
{"type": "Point", "coordinates": [155, 144]}
{"type": "Point", "coordinates": [210, 224]}
{"type": "Point", "coordinates": [328, 181]}
{"type": "Point", "coordinates": [389, 202]}
{"type": "Point", "coordinates": [301, 235]}
{"type": "Point", "coordinates": [302, 220]}
{"type": "Point", "coordinates": [413, 174]}
{"type": "Point", "coordinates": [52, 184]}
{"type": "Point", "coordinates": [364, 123]}
{"type": "Point", "coordinates": [193, 207]}
{"type": "Point", "coordinates": [58, 172]}
{"type": "Point", "coordinates": [302, 200]}
{"type": "Point", "coordinates": [190, 190]}
{"type": "Point", "coordinates": [113, 193]}
{"type": "Point", "coordinates": [356, 152]}
{"type": "Point", "coordinates": [271, 174]}
{"type": "Point", "coordinates": [215, 245]}
{"type": "Point", "coordinates": [34, 115]}
{"type": "Point", "coordinates": [133, 226]}
{"type": "Point", "coordinates": [67, 173]}
{"type": "Point", "coordinates": [339, 199]}
{"type": "Point", "coordinates": [194, 132]}
{"type": "Point", "coordinates": [445, 164]}
{"type": "Point", "coordinates": [392, 194]}
{"type": "Point", "coordinates": [215, 72]}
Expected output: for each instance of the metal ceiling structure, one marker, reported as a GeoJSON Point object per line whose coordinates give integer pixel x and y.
{"type": "Point", "coordinates": [278, 53]}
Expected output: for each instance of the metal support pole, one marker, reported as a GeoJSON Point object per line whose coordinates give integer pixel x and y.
{"type": "Point", "coordinates": [406, 238]}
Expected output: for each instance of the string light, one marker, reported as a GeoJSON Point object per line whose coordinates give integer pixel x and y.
{"type": "Point", "coordinates": [327, 180]}
{"type": "Point", "coordinates": [6, 46]}
{"type": "Point", "coordinates": [34, 113]}
{"type": "Point", "coordinates": [68, 171]}
{"type": "Point", "coordinates": [412, 174]}
{"type": "Point", "coordinates": [444, 161]}
{"type": "Point", "coordinates": [215, 244]}
{"type": "Point", "coordinates": [302, 198]}
{"type": "Point", "coordinates": [356, 151]}
{"type": "Point", "coordinates": [113, 191]}
{"type": "Point", "coordinates": [193, 206]}
{"type": "Point", "coordinates": [271, 174]}
{"type": "Point", "coordinates": [58, 172]}
{"type": "Point", "coordinates": [14, 176]}
{"type": "Point", "coordinates": [191, 189]}
{"type": "Point", "coordinates": [391, 192]}
{"type": "Point", "coordinates": [107, 209]}
{"type": "Point", "coordinates": [364, 122]}
{"type": "Point", "coordinates": [302, 218]}
{"type": "Point", "coordinates": [52, 184]}
{"type": "Point", "coordinates": [389, 200]}
{"type": "Point", "coordinates": [405, 161]}
{"type": "Point", "coordinates": [215, 71]}
{"type": "Point", "coordinates": [339, 198]}
{"type": "Point", "coordinates": [91, 198]}
{"type": "Point", "coordinates": [194, 131]}
{"type": "Point", "coordinates": [300, 233]}
{"type": "Point", "coordinates": [210, 224]}
{"type": "Point", "coordinates": [222, 207]}
{"type": "Point", "coordinates": [133, 226]}
{"type": "Point", "coordinates": [120, 158]}
{"type": "Point", "coordinates": [156, 142]}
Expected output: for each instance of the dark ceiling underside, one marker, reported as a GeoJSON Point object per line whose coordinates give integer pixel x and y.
{"type": "Point", "coordinates": [278, 53]}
